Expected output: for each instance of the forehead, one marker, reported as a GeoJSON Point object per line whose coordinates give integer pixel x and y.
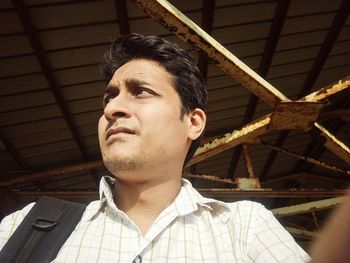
{"type": "Point", "coordinates": [146, 70]}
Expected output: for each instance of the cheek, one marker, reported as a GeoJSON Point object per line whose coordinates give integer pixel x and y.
{"type": "Point", "coordinates": [101, 127]}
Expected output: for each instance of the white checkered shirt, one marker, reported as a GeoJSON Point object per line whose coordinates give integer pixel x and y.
{"type": "Point", "coordinates": [191, 229]}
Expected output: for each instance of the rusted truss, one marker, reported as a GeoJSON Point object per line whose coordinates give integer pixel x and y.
{"type": "Point", "coordinates": [307, 159]}
{"type": "Point", "coordinates": [308, 207]}
{"type": "Point", "coordinates": [305, 234]}
{"type": "Point", "coordinates": [176, 22]}
{"type": "Point", "coordinates": [186, 30]}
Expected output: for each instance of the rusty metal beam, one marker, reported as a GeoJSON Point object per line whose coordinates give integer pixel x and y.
{"type": "Point", "coordinates": [306, 158]}
{"type": "Point", "coordinates": [301, 177]}
{"type": "Point", "coordinates": [273, 154]}
{"type": "Point", "coordinates": [323, 53]}
{"type": "Point", "coordinates": [301, 233]}
{"type": "Point", "coordinates": [308, 207]}
{"type": "Point", "coordinates": [207, 26]}
{"type": "Point", "coordinates": [39, 51]}
{"type": "Point", "coordinates": [322, 94]}
{"type": "Point", "coordinates": [328, 91]}
{"type": "Point", "coordinates": [122, 16]}
{"type": "Point", "coordinates": [301, 116]}
{"type": "Point", "coordinates": [214, 193]}
{"type": "Point", "coordinates": [247, 133]}
{"type": "Point", "coordinates": [314, 217]}
{"type": "Point", "coordinates": [334, 145]}
{"type": "Point", "coordinates": [212, 178]}
{"type": "Point", "coordinates": [176, 22]}
{"type": "Point", "coordinates": [316, 146]}
{"type": "Point", "coordinates": [248, 161]}
{"type": "Point", "coordinates": [316, 96]}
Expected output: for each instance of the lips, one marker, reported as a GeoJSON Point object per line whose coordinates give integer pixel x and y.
{"type": "Point", "coordinates": [118, 130]}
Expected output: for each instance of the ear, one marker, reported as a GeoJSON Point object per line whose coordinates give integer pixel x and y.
{"type": "Point", "coordinates": [197, 120]}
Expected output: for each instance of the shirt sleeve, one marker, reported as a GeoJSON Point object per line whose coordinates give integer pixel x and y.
{"type": "Point", "coordinates": [10, 223]}
{"type": "Point", "coordinates": [272, 242]}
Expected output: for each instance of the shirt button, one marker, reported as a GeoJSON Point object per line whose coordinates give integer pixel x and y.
{"type": "Point", "coordinates": [138, 259]}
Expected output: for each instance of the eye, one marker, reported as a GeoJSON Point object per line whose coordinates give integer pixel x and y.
{"type": "Point", "coordinates": [143, 92]}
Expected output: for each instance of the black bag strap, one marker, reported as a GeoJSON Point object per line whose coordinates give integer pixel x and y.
{"type": "Point", "coordinates": [43, 231]}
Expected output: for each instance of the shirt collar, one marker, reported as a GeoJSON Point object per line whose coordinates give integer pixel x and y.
{"type": "Point", "coordinates": [188, 200]}
{"type": "Point", "coordinates": [197, 198]}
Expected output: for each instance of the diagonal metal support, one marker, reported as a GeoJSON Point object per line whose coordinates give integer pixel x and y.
{"type": "Point", "coordinates": [302, 233]}
{"type": "Point", "coordinates": [308, 207]}
{"type": "Point", "coordinates": [177, 23]}
{"type": "Point", "coordinates": [307, 159]}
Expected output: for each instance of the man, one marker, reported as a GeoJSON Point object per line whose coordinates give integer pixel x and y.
{"type": "Point", "coordinates": [151, 124]}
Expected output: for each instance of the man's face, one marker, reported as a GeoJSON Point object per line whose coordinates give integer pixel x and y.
{"type": "Point", "coordinates": [141, 125]}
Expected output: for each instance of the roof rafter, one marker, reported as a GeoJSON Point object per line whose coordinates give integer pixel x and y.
{"type": "Point", "coordinates": [207, 26]}
{"type": "Point", "coordinates": [122, 16]}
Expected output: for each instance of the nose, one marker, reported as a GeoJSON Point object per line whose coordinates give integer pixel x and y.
{"type": "Point", "coordinates": [118, 107]}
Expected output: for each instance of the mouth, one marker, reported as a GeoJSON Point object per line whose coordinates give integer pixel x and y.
{"type": "Point", "coordinates": [118, 130]}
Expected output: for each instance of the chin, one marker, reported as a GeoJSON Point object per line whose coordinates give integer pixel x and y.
{"type": "Point", "coordinates": [118, 164]}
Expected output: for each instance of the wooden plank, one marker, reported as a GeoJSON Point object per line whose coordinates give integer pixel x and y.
{"type": "Point", "coordinates": [77, 56]}
{"type": "Point", "coordinates": [306, 23]}
{"type": "Point", "coordinates": [78, 36]}
{"type": "Point", "coordinates": [77, 75]}
{"type": "Point", "coordinates": [10, 19]}
{"type": "Point", "coordinates": [65, 15]}
{"type": "Point", "coordinates": [34, 127]}
{"type": "Point", "coordinates": [83, 91]}
{"type": "Point", "coordinates": [22, 84]}
{"type": "Point", "coordinates": [30, 115]}
{"type": "Point", "coordinates": [242, 14]}
{"type": "Point", "coordinates": [18, 66]}
{"type": "Point", "coordinates": [301, 40]}
{"type": "Point", "coordinates": [7, 48]}
{"type": "Point", "coordinates": [26, 100]}
{"type": "Point", "coordinates": [239, 33]}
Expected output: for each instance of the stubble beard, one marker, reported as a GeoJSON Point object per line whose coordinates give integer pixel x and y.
{"type": "Point", "coordinates": [123, 164]}
{"type": "Point", "coordinates": [116, 164]}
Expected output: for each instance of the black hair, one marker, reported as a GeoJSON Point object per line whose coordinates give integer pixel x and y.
{"type": "Point", "coordinates": [188, 80]}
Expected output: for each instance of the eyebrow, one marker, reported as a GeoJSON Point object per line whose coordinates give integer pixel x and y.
{"type": "Point", "coordinates": [130, 82]}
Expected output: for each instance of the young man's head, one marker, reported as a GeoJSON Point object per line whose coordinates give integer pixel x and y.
{"type": "Point", "coordinates": [134, 52]}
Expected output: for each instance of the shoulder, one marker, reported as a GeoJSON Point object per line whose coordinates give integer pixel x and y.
{"type": "Point", "coordinates": [10, 223]}
{"type": "Point", "coordinates": [267, 240]}
{"type": "Point", "coordinates": [255, 212]}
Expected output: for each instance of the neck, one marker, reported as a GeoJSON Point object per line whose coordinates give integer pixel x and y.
{"type": "Point", "coordinates": [144, 200]}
